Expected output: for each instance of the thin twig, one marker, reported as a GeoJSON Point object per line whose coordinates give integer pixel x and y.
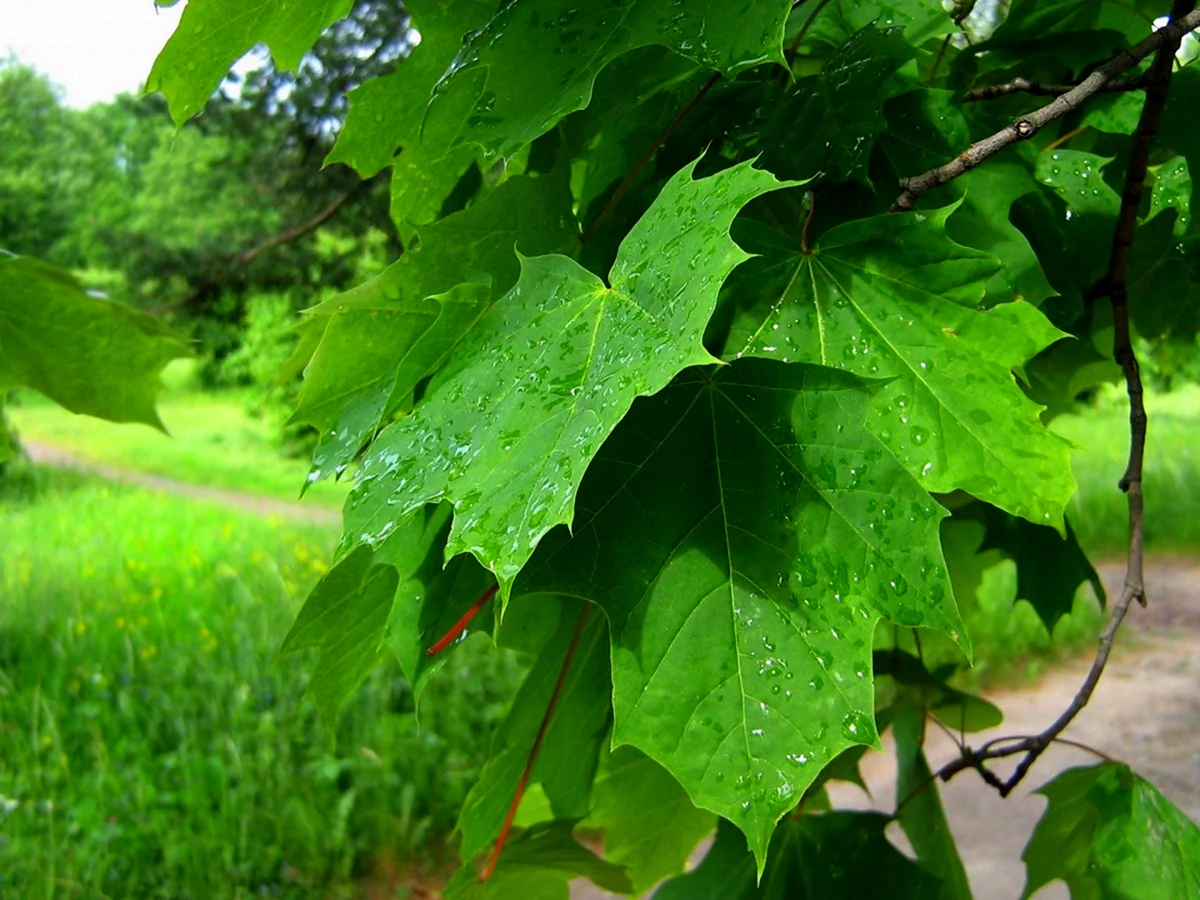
{"type": "Point", "coordinates": [958, 766]}
{"type": "Point", "coordinates": [1031, 747]}
{"type": "Point", "coordinates": [812, 208]}
{"type": "Point", "coordinates": [646, 157]}
{"type": "Point", "coordinates": [1063, 138]}
{"type": "Point", "coordinates": [1040, 89]}
{"type": "Point", "coordinates": [537, 745]}
{"type": "Point", "coordinates": [804, 29]}
{"type": "Point", "coordinates": [1028, 126]}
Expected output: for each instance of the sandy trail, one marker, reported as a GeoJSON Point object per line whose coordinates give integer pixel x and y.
{"type": "Point", "coordinates": [47, 455]}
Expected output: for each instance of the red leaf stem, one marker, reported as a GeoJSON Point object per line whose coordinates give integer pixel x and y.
{"type": "Point", "coordinates": [537, 744]}
{"type": "Point", "coordinates": [461, 625]}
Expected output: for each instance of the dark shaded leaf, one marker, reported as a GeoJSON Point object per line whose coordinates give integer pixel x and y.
{"type": "Point", "coordinates": [1107, 832]}
{"type": "Point", "coordinates": [744, 534]}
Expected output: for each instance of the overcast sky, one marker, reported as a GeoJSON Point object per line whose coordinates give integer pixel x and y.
{"type": "Point", "coordinates": [93, 49]}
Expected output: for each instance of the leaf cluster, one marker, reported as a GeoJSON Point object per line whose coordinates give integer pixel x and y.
{"type": "Point", "coordinates": [661, 370]}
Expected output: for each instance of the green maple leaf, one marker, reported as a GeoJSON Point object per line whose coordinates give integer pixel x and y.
{"type": "Point", "coordinates": [955, 709]}
{"type": "Point", "coordinates": [430, 597]}
{"type": "Point", "coordinates": [1050, 568]}
{"type": "Point", "coordinates": [368, 348]}
{"type": "Point", "coordinates": [833, 23]}
{"type": "Point", "coordinates": [539, 864]}
{"type": "Point", "coordinates": [817, 856]}
{"type": "Point", "coordinates": [507, 428]}
{"type": "Point", "coordinates": [919, 805]}
{"type": "Point", "coordinates": [214, 34]}
{"type": "Point", "coordinates": [631, 104]}
{"type": "Point", "coordinates": [1172, 189]}
{"type": "Point", "coordinates": [893, 297]}
{"type": "Point", "coordinates": [386, 112]}
{"type": "Point", "coordinates": [825, 126]}
{"type": "Point", "coordinates": [518, 75]}
{"type": "Point", "coordinates": [924, 129]}
{"type": "Point", "coordinates": [535, 62]}
{"type": "Point", "coordinates": [344, 618]}
{"type": "Point", "coordinates": [1178, 130]}
{"type": "Point", "coordinates": [386, 115]}
{"type": "Point", "coordinates": [744, 533]}
{"type": "Point", "coordinates": [87, 354]}
{"type": "Point", "coordinates": [398, 597]}
{"type": "Point", "coordinates": [650, 826]}
{"type": "Point", "coordinates": [1107, 832]}
{"type": "Point", "coordinates": [8, 445]}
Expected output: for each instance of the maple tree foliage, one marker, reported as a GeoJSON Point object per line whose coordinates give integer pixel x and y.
{"type": "Point", "coordinates": [713, 321]}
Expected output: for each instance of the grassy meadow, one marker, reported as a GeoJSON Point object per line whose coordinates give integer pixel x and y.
{"type": "Point", "coordinates": [1171, 477]}
{"type": "Point", "coordinates": [152, 745]}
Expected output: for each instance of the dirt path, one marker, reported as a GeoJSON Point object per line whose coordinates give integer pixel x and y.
{"type": "Point", "coordinates": [1146, 712]}
{"type": "Point", "coordinates": [46, 455]}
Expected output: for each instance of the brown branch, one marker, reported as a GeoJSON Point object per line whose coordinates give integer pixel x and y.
{"type": "Point", "coordinates": [1026, 127]}
{"type": "Point", "coordinates": [299, 231]}
{"type": "Point", "coordinates": [1040, 89]}
{"type": "Point", "coordinates": [804, 29]}
{"type": "Point", "coordinates": [537, 745]}
{"type": "Point", "coordinates": [623, 188]}
{"type": "Point", "coordinates": [247, 256]}
{"type": "Point", "coordinates": [948, 772]}
{"type": "Point", "coordinates": [1031, 747]}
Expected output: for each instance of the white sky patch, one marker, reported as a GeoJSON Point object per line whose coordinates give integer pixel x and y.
{"type": "Point", "coordinates": [93, 49]}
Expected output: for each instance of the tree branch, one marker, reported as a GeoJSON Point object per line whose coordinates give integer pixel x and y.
{"type": "Point", "coordinates": [1039, 89]}
{"type": "Point", "coordinates": [646, 157]}
{"type": "Point", "coordinates": [1031, 747]}
{"type": "Point", "coordinates": [1027, 127]}
{"type": "Point", "coordinates": [299, 231]}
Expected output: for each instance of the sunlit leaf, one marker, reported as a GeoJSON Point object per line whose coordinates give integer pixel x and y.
{"type": "Point", "coordinates": [893, 297]}
{"type": "Point", "coordinates": [508, 427]}
{"type": "Point", "coordinates": [214, 34]}
{"type": "Point", "coordinates": [379, 340]}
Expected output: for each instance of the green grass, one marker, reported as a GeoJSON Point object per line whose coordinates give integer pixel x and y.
{"type": "Point", "coordinates": [1171, 476]}
{"type": "Point", "coordinates": [213, 441]}
{"type": "Point", "coordinates": [150, 744]}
